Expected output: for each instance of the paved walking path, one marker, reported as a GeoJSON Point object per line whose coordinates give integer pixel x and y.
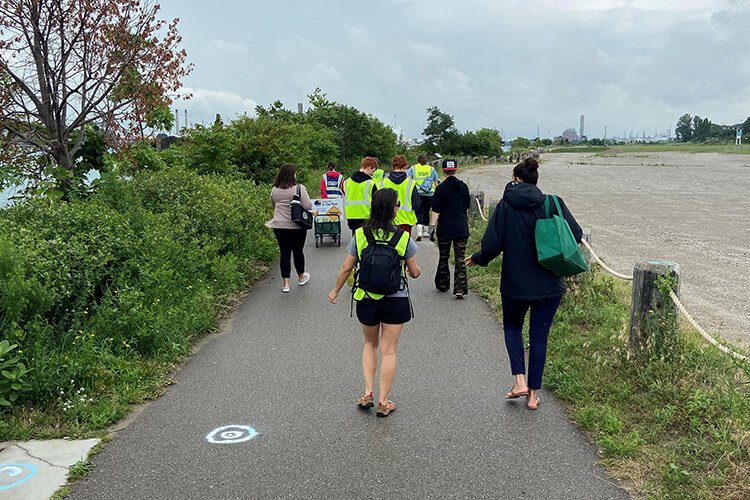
{"type": "Point", "coordinates": [289, 367]}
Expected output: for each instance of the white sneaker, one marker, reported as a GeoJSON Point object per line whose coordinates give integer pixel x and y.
{"type": "Point", "coordinates": [285, 289]}
{"type": "Point", "coordinates": [305, 279]}
{"type": "Point", "coordinates": [425, 234]}
{"type": "Point", "coordinates": [459, 295]}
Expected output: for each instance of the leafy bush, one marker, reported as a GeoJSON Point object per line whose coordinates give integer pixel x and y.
{"type": "Point", "coordinates": [94, 291]}
{"type": "Point", "coordinates": [12, 374]}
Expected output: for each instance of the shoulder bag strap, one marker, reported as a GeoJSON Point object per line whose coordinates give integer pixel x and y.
{"type": "Point", "coordinates": [557, 204]}
{"type": "Point", "coordinates": [546, 206]}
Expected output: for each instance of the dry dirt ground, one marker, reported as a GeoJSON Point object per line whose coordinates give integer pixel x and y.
{"type": "Point", "coordinates": [693, 209]}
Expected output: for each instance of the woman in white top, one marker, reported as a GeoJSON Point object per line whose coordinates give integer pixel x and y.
{"type": "Point", "coordinates": [289, 235]}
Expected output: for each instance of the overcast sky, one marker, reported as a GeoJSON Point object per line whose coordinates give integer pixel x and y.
{"type": "Point", "coordinates": [510, 65]}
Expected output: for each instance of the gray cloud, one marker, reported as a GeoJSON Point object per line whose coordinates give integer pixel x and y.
{"type": "Point", "coordinates": [513, 65]}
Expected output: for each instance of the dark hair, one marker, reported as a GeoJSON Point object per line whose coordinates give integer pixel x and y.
{"type": "Point", "coordinates": [381, 212]}
{"type": "Point", "coordinates": [422, 159]}
{"type": "Point", "coordinates": [285, 178]}
{"type": "Point", "coordinates": [331, 165]}
{"type": "Point", "coordinates": [527, 171]}
{"type": "Point", "coordinates": [399, 163]}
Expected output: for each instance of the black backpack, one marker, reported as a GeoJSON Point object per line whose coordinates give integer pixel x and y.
{"type": "Point", "coordinates": [380, 265]}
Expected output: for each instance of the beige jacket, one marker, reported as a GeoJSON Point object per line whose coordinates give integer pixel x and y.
{"type": "Point", "coordinates": [282, 212]}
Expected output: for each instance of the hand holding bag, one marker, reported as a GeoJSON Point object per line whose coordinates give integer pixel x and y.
{"type": "Point", "coordinates": [303, 218]}
{"type": "Point", "coordinates": [556, 248]}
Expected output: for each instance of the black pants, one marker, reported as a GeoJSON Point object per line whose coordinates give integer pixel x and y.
{"type": "Point", "coordinates": [443, 274]}
{"type": "Point", "coordinates": [291, 241]}
{"type": "Point", "coordinates": [423, 217]}
{"type": "Point", "coordinates": [542, 313]}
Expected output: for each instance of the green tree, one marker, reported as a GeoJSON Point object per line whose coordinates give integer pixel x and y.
{"type": "Point", "coordinates": [66, 65]}
{"type": "Point", "coordinates": [440, 132]}
{"type": "Point", "coordinates": [701, 128]}
{"type": "Point", "coordinates": [684, 129]}
{"type": "Point", "coordinates": [520, 143]}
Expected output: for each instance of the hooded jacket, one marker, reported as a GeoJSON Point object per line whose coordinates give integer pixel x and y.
{"type": "Point", "coordinates": [451, 200]}
{"type": "Point", "coordinates": [511, 231]}
{"type": "Point", "coordinates": [398, 177]}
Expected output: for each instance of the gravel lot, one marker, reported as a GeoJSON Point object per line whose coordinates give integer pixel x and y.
{"type": "Point", "coordinates": [693, 209]}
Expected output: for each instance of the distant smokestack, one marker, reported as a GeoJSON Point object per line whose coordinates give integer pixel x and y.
{"type": "Point", "coordinates": [186, 120]}
{"type": "Point", "coordinates": [176, 122]}
{"type": "Point", "coordinates": [581, 132]}
{"type": "Point", "coordinates": [299, 108]}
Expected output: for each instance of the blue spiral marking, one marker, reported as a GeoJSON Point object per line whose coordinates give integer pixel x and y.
{"type": "Point", "coordinates": [231, 434]}
{"type": "Point", "coordinates": [16, 470]}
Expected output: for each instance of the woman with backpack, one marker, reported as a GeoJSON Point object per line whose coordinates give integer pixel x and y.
{"type": "Point", "coordinates": [524, 284]}
{"type": "Point", "coordinates": [290, 236]}
{"type": "Point", "coordinates": [386, 255]}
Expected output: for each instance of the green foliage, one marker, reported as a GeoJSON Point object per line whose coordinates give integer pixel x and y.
{"type": "Point", "coordinates": [520, 143]}
{"type": "Point", "coordinates": [262, 145]}
{"type": "Point", "coordinates": [12, 375]}
{"type": "Point", "coordinates": [672, 426]}
{"type": "Point", "coordinates": [440, 129]}
{"type": "Point", "coordinates": [103, 294]}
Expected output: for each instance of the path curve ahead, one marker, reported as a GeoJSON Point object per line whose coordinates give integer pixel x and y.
{"type": "Point", "coordinates": [289, 366]}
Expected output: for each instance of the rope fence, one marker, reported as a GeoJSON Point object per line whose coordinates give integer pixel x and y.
{"type": "Point", "coordinates": [678, 304]}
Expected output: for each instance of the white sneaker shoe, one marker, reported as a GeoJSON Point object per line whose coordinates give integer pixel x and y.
{"type": "Point", "coordinates": [285, 289]}
{"type": "Point", "coordinates": [425, 234]}
{"type": "Point", "coordinates": [305, 279]}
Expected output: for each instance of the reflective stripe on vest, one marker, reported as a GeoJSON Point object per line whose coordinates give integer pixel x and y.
{"type": "Point", "coordinates": [357, 199]}
{"type": "Point", "coordinates": [405, 214]}
{"type": "Point", "coordinates": [361, 242]}
{"type": "Point", "coordinates": [333, 186]}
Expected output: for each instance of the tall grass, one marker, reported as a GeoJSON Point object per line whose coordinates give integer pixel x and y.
{"type": "Point", "coordinates": [674, 426]}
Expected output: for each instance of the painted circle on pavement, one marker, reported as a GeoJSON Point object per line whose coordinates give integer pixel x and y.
{"type": "Point", "coordinates": [231, 434]}
{"type": "Point", "coordinates": [11, 475]}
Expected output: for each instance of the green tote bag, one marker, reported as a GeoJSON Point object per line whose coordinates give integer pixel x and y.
{"type": "Point", "coordinates": [556, 247]}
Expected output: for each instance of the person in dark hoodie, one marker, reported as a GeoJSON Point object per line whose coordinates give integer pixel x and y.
{"type": "Point", "coordinates": [358, 192]}
{"type": "Point", "coordinates": [524, 284]}
{"type": "Point", "coordinates": [449, 206]}
{"type": "Point", "coordinates": [408, 197]}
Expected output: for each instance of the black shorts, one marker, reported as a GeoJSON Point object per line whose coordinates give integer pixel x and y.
{"type": "Point", "coordinates": [390, 310]}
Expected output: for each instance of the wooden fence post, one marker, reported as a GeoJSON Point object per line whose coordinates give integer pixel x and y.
{"type": "Point", "coordinates": [474, 209]}
{"type": "Point", "coordinates": [653, 314]}
{"type": "Point", "coordinates": [586, 254]}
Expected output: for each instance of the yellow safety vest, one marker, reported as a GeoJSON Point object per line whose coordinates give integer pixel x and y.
{"type": "Point", "coordinates": [378, 174]}
{"type": "Point", "coordinates": [361, 242]}
{"type": "Point", "coordinates": [406, 213]}
{"type": "Point", "coordinates": [421, 174]}
{"type": "Point", "coordinates": [357, 199]}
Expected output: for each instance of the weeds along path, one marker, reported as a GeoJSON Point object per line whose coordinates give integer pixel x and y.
{"type": "Point", "coordinates": [685, 207]}
{"type": "Point", "coordinates": [289, 367]}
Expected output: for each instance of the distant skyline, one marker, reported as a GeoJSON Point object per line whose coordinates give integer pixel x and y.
{"type": "Point", "coordinates": [515, 66]}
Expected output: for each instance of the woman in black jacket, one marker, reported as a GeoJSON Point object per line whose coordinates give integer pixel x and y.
{"type": "Point", "coordinates": [524, 284]}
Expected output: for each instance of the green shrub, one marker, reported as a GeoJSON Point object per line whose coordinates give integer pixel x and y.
{"type": "Point", "coordinates": [101, 295]}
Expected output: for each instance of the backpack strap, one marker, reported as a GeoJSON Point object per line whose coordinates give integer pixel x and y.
{"type": "Point", "coordinates": [396, 237]}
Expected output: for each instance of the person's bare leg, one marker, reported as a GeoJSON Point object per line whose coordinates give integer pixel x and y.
{"type": "Point", "coordinates": [388, 344]}
{"type": "Point", "coordinates": [370, 356]}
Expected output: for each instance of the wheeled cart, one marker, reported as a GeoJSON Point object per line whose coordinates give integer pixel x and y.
{"type": "Point", "coordinates": [327, 225]}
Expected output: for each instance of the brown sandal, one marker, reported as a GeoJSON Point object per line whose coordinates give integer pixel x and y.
{"type": "Point", "coordinates": [386, 408]}
{"type": "Point", "coordinates": [528, 403]}
{"type": "Point", "coordinates": [515, 395]}
{"type": "Point", "coordinates": [366, 401]}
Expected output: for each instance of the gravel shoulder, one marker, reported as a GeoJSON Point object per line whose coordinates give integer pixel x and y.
{"type": "Point", "coordinates": [690, 208]}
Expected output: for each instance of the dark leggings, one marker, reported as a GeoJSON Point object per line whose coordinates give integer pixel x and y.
{"type": "Point", "coordinates": [424, 212]}
{"type": "Point", "coordinates": [291, 241]}
{"type": "Point", "coordinates": [542, 313]}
